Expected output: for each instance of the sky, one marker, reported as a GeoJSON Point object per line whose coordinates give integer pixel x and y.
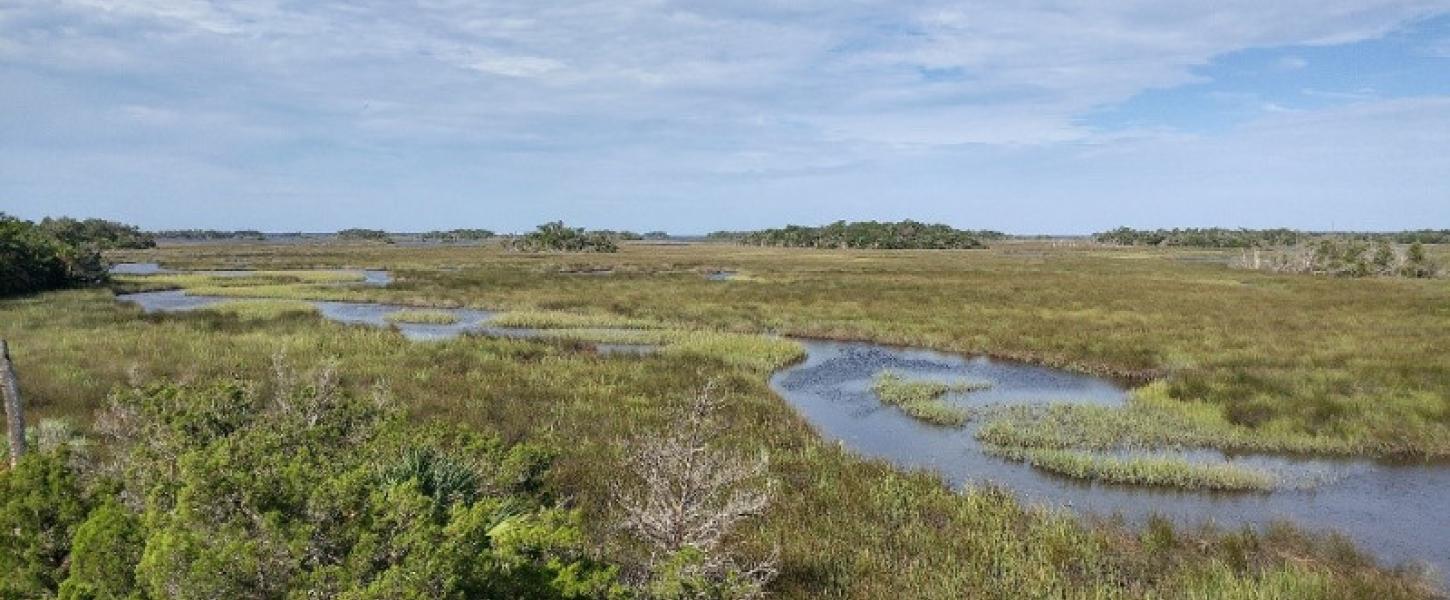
{"type": "Point", "coordinates": [1024, 117]}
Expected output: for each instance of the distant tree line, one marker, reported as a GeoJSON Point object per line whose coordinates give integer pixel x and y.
{"type": "Point", "coordinates": [558, 237]}
{"type": "Point", "coordinates": [865, 234]}
{"type": "Point", "coordinates": [54, 254]}
{"type": "Point", "coordinates": [360, 234]}
{"type": "Point", "coordinates": [103, 234]}
{"type": "Point", "coordinates": [458, 235]}
{"type": "Point", "coordinates": [1217, 237]}
{"type": "Point", "coordinates": [1343, 257]}
{"type": "Point", "coordinates": [1211, 237]}
{"type": "Point", "coordinates": [209, 234]}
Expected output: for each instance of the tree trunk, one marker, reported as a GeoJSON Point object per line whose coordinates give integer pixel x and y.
{"type": "Point", "coordinates": [14, 419]}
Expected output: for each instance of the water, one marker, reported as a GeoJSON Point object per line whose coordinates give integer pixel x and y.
{"type": "Point", "coordinates": [721, 275]}
{"type": "Point", "coordinates": [376, 315]}
{"type": "Point", "coordinates": [1395, 512]}
{"type": "Point", "coordinates": [375, 277]}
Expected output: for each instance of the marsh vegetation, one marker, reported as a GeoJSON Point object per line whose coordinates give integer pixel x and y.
{"type": "Point", "coordinates": [837, 525]}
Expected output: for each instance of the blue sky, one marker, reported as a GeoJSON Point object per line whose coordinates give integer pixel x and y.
{"type": "Point", "coordinates": [695, 116]}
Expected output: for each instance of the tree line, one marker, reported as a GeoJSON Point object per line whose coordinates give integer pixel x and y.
{"type": "Point", "coordinates": [1218, 237]}
{"type": "Point", "coordinates": [900, 235]}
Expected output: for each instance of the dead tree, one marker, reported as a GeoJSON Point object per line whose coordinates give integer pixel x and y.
{"type": "Point", "coordinates": [14, 419]}
{"type": "Point", "coordinates": [690, 493]}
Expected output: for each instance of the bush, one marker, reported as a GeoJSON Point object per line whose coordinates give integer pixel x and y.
{"type": "Point", "coordinates": [33, 260]}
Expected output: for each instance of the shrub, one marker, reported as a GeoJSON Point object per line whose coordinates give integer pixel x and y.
{"type": "Point", "coordinates": [866, 234]}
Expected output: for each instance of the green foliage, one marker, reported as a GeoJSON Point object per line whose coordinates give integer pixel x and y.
{"type": "Point", "coordinates": [41, 505]}
{"type": "Point", "coordinates": [33, 259]}
{"type": "Point", "coordinates": [557, 237]}
{"type": "Point", "coordinates": [866, 234]}
{"type": "Point", "coordinates": [97, 233]}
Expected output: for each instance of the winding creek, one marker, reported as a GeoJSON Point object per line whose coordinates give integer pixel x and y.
{"type": "Point", "coordinates": [1397, 512]}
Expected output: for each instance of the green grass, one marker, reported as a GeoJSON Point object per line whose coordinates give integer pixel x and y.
{"type": "Point", "coordinates": [1142, 470]}
{"type": "Point", "coordinates": [922, 399]}
{"type": "Point", "coordinates": [422, 316]}
{"type": "Point", "coordinates": [262, 310]}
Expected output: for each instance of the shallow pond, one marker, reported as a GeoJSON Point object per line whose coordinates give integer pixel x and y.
{"type": "Point", "coordinates": [1395, 512]}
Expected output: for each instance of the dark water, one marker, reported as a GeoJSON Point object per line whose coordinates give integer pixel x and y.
{"type": "Point", "coordinates": [1399, 513]}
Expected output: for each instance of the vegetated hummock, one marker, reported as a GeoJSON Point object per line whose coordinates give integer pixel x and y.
{"type": "Point", "coordinates": [1327, 365]}
{"type": "Point", "coordinates": [557, 237]}
{"type": "Point", "coordinates": [422, 316]}
{"type": "Point", "coordinates": [923, 399]}
{"type": "Point", "coordinates": [865, 234]}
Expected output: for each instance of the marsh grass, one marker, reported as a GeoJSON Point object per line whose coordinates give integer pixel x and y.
{"type": "Point", "coordinates": [1357, 360]}
{"type": "Point", "coordinates": [1164, 471]}
{"type": "Point", "coordinates": [422, 316]}
{"type": "Point", "coordinates": [1152, 419]}
{"type": "Point", "coordinates": [261, 310]}
{"type": "Point", "coordinates": [553, 319]}
{"type": "Point", "coordinates": [922, 399]}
